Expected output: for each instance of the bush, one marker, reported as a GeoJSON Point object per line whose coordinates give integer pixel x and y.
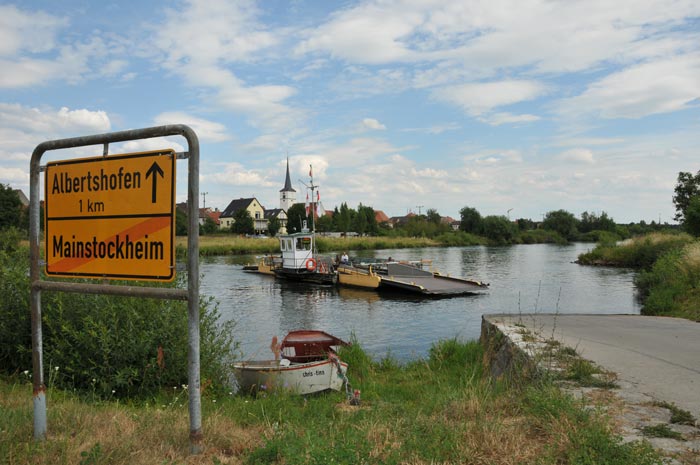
{"type": "Point", "coordinates": [672, 286]}
{"type": "Point", "coordinates": [640, 252]}
{"type": "Point", "coordinates": [498, 229]}
{"type": "Point", "coordinates": [107, 345]}
{"type": "Point", "coordinates": [541, 236]}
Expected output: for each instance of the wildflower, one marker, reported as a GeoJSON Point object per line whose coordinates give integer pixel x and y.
{"type": "Point", "coordinates": [26, 372]}
{"type": "Point", "coordinates": [55, 368]}
{"type": "Point", "coordinates": [113, 391]}
{"type": "Point", "coordinates": [213, 400]}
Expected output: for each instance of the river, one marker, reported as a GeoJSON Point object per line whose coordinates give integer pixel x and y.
{"type": "Point", "coordinates": [540, 278]}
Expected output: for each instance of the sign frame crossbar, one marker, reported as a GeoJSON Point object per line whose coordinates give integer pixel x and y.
{"type": "Point", "coordinates": [191, 294]}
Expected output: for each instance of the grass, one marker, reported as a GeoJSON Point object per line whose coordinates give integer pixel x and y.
{"type": "Point", "coordinates": [236, 245]}
{"type": "Point", "coordinates": [438, 410]}
{"type": "Point", "coordinates": [678, 415]}
{"type": "Point", "coordinates": [661, 430]}
{"type": "Point", "coordinates": [639, 252]}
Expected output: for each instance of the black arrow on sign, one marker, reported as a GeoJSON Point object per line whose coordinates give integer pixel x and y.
{"type": "Point", "coordinates": [155, 168]}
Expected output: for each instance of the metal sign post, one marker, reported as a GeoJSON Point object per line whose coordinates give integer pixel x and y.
{"type": "Point", "coordinates": [87, 198]}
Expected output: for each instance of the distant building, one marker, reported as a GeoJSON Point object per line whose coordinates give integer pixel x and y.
{"type": "Point", "coordinates": [22, 198]}
{"type": "Point", "coordinates": [381, 218]}
{"type": "Point", "coordinates": [255, 209]}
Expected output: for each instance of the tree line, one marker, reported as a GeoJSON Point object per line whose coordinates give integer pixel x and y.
{"type": "Point", "coordinates": [556, 226]}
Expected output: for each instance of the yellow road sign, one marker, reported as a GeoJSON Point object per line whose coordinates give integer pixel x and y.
{"type": "Point", "coordinates": [111, 217]}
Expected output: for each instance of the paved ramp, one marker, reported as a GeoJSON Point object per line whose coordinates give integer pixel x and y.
{"type": "Point", "coordinates": [659, 356]}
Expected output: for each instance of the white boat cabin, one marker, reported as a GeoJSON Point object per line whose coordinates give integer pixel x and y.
{"type": "Point", "coordinates": [298, 251]}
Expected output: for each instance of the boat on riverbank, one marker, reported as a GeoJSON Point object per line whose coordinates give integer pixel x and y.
{"type": "Point", "coordinates": [305, 362]}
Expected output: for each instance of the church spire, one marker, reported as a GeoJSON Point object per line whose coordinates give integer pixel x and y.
{"type": "Point", "coordinates": [287, 194]}
{"type": "Point", "coordinates": [287, 181]}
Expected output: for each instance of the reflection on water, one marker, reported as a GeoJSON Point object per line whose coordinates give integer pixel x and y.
{"type": "Point", "coordinates": [526, 278]}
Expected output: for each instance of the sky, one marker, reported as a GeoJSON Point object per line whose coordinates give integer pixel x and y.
{"type": "Point", "coordinates": [515, 108]}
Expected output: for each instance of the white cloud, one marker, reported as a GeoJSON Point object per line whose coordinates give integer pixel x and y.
{"type": "Point", "coordinates": [371, 32]}
{"type": "Point", "coordinates": [14, 176]}
{"type": "Point", "coordinates": [147, 145]}
{"type": "Point", "coordinates": [206, 130]}
{"type": "Point", "coordinates": [373, 124]}
{"type": "Point", "coordinates": [478, 98]}
{"type": "Point", "coordinates": [32, 52]}
{"type": "Point", "coordinates": [50, 123]}
{"type": "Point", "coordinates": [498, 119]}
{"type": "Point", "coordinates": [436, 129]}
{"type": "Point", "coordinates": [641, 90]}
{"type": "Point", "coordinates": [578, 155]}
{"type": "Point", "coordinates": [235, 174]}
{"type": "Point", "coordinates": [203, 39]}
{"type": "Point", "coordinates": [33, 32]}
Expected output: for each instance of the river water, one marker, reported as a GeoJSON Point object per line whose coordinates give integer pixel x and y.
{"type": "Point", "coordinates": [539, 278]}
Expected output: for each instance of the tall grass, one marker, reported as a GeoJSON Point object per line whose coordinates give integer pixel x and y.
{"type": "Point", "coordinates": [672, 286]}
{"type": "Point", "coordinates": [639, 252]}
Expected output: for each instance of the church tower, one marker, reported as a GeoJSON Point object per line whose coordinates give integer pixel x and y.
{"type": "Point", "coordinates": [288, 195]}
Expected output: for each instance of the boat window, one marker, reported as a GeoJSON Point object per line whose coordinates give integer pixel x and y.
{"type": "Point", "coordinates": [303, 243]}
{"type": "Point", "coordinates": [289, 244]}
{"type": "Point", "coordinates": [282, 245]}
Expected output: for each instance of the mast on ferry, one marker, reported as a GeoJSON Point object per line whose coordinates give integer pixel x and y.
{"type": "Point", "coordinates": [312, 187]}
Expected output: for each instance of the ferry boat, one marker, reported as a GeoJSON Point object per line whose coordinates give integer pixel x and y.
{"type": "Point", "coordinates": [301, 262]}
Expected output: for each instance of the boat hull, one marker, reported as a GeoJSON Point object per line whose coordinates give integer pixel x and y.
{"type": "Point", "coordinates": [355, 277]}
{"type": "Point", "coordinates": [303, 275]}
{"type": "Point", "coordinates": [299, 378]}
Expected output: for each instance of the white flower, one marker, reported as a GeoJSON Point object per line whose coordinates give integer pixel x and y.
{"type": "Point", "coordinates": [26, 372]}
{"type": "Point", "coordinates": [55, 368]}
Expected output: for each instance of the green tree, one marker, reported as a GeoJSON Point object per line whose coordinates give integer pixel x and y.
{"type": "Point", "coordinates": [242, 222]}
{"type": "Point", "coordinates": [563, 222]}
{"type": "Point", "coordinates": [498, 229]}
{"type": "Point", "coordinates": [470, 220]}
{"type": "Point", "coordinates": [180, 223]}
{"type": "Point", "coordinates": [295, 217]}
{"type": "Point", "coordinates": [525, 224]}
{"type": "Point", "coordinates": [10, 208]}
{"type": "Point", "coordinates": [342, 219]}
{"type": "Point", "coordinates": [433, 216]}
{"type": "Point", "coordinates": [592, 222]}
{"type": "Point", "coordinates": [692, 217]}
{"type": "Point", "coordinates": [687, 187]}
{"type": "Point", "coordinates": [273, 226]}
{"type": "Point", "coordinates": [366, 219]}
{"type": "Point", "coordinates": [209, 227]}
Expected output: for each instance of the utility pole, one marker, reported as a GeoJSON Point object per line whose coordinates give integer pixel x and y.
{"type": "Point", "coordinates": [204, 196]}
{"type": "Point", "coordinates": [508, 213]}
{"type": "Point", "coordinates": [419, 207]}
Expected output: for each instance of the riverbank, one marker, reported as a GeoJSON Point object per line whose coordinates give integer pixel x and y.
{"type": "Point", "coordinates": [628, 362]}
{"type": "Point", "coordinates": [236, 245]}
{"type": "Point", "coordinates": [669, 271]}
{"type": "Point", "coordinates": [440, 410]}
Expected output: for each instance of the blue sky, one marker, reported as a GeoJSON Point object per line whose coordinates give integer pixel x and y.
{"type": "Point", "coordinates": [528, 106]}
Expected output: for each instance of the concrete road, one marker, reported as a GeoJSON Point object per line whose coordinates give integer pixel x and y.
{"type": "Point", "coordinates": [659, 356]}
